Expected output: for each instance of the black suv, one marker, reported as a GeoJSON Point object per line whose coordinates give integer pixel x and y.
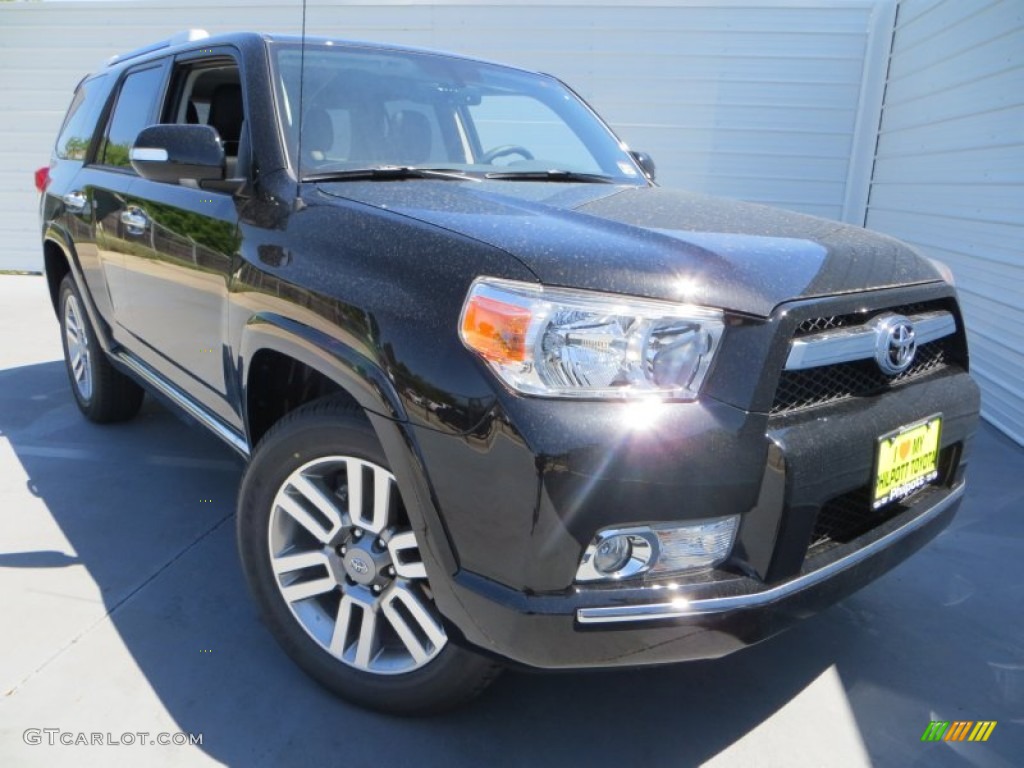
{"type": "Point", "coordinates": [503, 399]}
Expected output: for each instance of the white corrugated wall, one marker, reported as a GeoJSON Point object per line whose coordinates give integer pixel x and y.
{"type": "Point", "coordinates": [949, 173]}
{"type": "Point", "coordinates": [768, 100]}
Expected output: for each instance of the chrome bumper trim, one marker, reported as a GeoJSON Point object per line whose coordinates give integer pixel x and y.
{"type": "Point", "coordinates": [858, 343]}
{"type": "Point", "coordinates": [184, 402]}
{"type": "Point", "coordinates": [681, 608]}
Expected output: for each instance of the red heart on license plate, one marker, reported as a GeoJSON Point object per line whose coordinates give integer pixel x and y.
{"type": "Point", "coordinates": [904, 449]}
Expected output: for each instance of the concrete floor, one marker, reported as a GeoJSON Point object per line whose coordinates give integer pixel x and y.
{"type": "Point", "coordinates": [123, 610]}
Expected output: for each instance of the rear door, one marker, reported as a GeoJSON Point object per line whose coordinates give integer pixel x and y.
{"type": "Point", "coordinates": [106, 183]}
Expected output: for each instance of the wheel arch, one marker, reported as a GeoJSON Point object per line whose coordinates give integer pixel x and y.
{"type": "Point", "coordinates": [318, 363]}
{"type": "Point", "coordinates": [55, 266]}
{"type": "Point", "coordinates": [59, 261]}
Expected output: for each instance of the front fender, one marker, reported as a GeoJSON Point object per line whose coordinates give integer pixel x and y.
{"type": "Point", "coordinates": [359, 376]}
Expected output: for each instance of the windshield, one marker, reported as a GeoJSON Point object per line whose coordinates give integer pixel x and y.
{"type": "Point", "coordinates": [368, 108]}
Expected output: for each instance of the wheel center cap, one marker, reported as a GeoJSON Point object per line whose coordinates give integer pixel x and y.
{"type": "Point", "coordinates": [360, 566]}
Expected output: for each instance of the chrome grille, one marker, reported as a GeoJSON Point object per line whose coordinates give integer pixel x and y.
{"type": "Point", "coordinates": [817, 375]}
{"type": "Point", "coordinates": [830, 383]}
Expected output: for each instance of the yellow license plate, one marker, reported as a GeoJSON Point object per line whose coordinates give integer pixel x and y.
{"type": "Point", "coordinates": [906, 459]}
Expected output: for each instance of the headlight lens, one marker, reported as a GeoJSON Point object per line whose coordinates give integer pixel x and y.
{"type": "Point", "coordinates": [557, 342]}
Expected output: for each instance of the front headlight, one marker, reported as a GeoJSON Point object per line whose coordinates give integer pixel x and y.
{"type": "Point", "coordinates": [557, 342]}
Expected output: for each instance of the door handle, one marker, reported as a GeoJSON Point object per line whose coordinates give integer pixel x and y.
{"type": "Point", "coordinates": [75, 201]}
{"type": "Point", "coordinates": [135, 221]}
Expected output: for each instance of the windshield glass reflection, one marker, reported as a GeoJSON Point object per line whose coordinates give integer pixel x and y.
{"type": "Point", "coordinates": [370, 108]}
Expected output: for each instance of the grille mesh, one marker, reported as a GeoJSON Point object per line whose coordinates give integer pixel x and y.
{"type": "Point", "coordinates": [846, 517]}
{"type": "Point", "coordinates": [832, 322]}
{"type": "Point", "coordinates": [830, 383]}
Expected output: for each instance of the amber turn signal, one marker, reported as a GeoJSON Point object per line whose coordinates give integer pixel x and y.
{"type": "Point", "coordinates": [496, 330]}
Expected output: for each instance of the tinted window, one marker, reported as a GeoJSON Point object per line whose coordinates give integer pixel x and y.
{"type": "Point", "coordinates": [80, 122]}
{"type": "Point", "coordinates": [134, 111]}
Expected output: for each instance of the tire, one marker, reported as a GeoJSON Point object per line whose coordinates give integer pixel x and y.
{"type": "Point", "coordinates": [358, 617]}
{"type": "Point", "coordinates": [104, 394]}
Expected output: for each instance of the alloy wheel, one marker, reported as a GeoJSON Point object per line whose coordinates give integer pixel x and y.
{"type": "Point", "coordinates": [348, 566]}
{"type": "Point", "coordinates": [78, 347]}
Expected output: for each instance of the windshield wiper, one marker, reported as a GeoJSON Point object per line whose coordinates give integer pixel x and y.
{"type": "Point", "coordinates": [553, 175]}
{"type": "Point", "coordinates": [389, 173]}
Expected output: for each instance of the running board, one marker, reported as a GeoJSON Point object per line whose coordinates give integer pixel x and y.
{"type": "Point", "coordinates": [183, 401]}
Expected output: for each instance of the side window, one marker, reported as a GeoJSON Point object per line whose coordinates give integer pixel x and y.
{"type": "Point", "coordinates": [210, 93]}
{"type": "Point", "coordinates": [135, 109]}
{"type": "Point", "coordinates": [80, 122]}
{"type": "Point", "coordinates": [517, 120]}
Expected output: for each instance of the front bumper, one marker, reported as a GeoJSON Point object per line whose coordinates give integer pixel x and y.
{"type": "Point", "coordinates": [786, 593]}
{"type": "Point", "coordinates": [522, 496]}
{"type": "Point", "coordinates": [652, 624]}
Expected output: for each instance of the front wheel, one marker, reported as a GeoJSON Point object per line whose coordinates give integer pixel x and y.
{"type": "Point", "coordinates": [335, 567]}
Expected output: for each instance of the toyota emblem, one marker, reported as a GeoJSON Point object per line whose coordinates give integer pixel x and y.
{"type": "Point", "coordinates": [895, 344]}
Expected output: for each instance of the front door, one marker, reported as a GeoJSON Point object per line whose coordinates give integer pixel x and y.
{"type": "Point", "coordinates": [176, 281]}
{"type": "Point", "coordinates": [185, 247]}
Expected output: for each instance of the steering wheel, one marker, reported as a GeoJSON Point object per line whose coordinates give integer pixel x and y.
{"type": "Point", "coordinates": [503, 151]}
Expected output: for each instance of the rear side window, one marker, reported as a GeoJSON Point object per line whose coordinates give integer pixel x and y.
{"type": "Point", "coordinates": [80, 122]}
{"type": "Point", "coordinates": [135, 110]}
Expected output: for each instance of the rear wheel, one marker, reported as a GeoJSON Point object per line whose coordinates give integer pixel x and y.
{"type": "Point", "coordinates": [335, 566]}
{"type": "Point", "coordinates": [103, 393]}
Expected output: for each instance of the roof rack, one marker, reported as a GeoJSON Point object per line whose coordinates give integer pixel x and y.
{"type": "Point", "coordinates": [188, 36]}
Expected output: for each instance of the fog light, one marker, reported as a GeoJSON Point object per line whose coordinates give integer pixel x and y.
{"type": "Point", "coordinates": [658, 549]}
{"type": "Point", "coordinates": [617, 554]}
{"type": "Point", "coordinates": [612, 554]}
{"type": "Point", "coordinates": [702, 544]}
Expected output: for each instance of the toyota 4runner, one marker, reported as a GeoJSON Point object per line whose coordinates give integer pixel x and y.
{"type": "Point", "coordinates": [502, 398]}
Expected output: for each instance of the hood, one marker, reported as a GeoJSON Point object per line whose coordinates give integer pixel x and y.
{"type": "Point", "coordinates": [654, 242]}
